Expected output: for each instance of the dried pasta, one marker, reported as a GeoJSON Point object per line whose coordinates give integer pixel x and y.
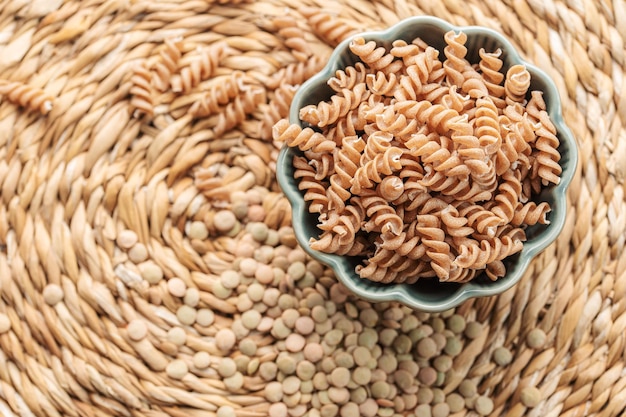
{"type": "Point", "coordinates": [27, 96]}
{"type": "Point", "coordinates": [425, 165]}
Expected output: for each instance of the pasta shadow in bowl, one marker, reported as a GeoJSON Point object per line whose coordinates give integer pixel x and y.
{"type": "Point", "coordinates": [430, 294]}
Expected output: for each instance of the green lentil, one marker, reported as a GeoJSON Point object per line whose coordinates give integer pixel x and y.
{"type": "Point", "coordinates": [305, 370]}
{"type": "Point", "coordinates": [441, 410]}
{"type": "Point", "coordinates": [253, 366]}
{"type": "Point", "coordinates": [368, 338]}
{"type": "Point", "coordinates": [425, 395]}
{"type": "Point", "coordinates": [349, 410]}
{"type": "Point", "coordinates": [248, 347]}
{"type": "Point", "coordinates": [328, 364]}
{"type": "Point", "coordinates": [473, 329]}
{"type": "Point", "coordinates": [530, 396]}
{"type": "Point", "coordinates": [230, 279]}
{"type": "Point", "coordinates": [234, 382]}
{"type": "Point", "coordinates": [423, 410]}
{"type": "Point", "coordinates": [296, 270]}
{"type": "Point", "coordinates": [536, 338]}
{"type": "Point", "coordinates": [438, 324]}
{"type": "Point", "coordinates": [388, 363]}
{"type": "Point", "coordinates": [408, 323]}
{"type": "Point", "coordinates": [455, 402]}
{"type": "Point", "coordinates": [387, 337]}
{"type": "Point", "coordinates": [306, 386]}
{"type": "Point", "coordinates": [286, 364]}
{"type": "Point", "coordinates": [368, 317]}
{"type": "Point", "coordinates": [483, 405]}
{"type": "Point", "coordinates": [361, 355]}
{"type": "Point", "coordinates": [273, 392]}
{"type": "Point", "coordinates": [220, 291]}
{"type": "Point", "coordinates": [225, 411]}
{"type": "Point", "coordinates": [318, 314]}
{"type": "Point", "coordinates": [453, 346]}
{"type": "Point", "coordinates": [344, 359]}
{"type": "Point", "coordinates": [380, 389]}
{"type": "Point", "coordinates": [242, 363]}
{"type": "Point", "coordinates": [329, 410]}
{"type": "Point", "coordinates": [362, 375]}
{"type": "Point", "coordinates": [259, 231]}
{"type": "Point", "coordinates": [227, 367]}
{"type": "Point", "coordinates": [291, 385]}
{"type": "Point", "coordinates": [438, 396]}
{"type": "Point", "coordinates": [402, 344]}
{"type": "Point", "coordinates": [427, 376]}
{"type": "Point", "coordinates": [427, 348]}
{"type": "Point", "coordinates": [456, 323]}
{"type": "Point", "coordinates": [403, 379]}
{"type": "Point", "coordinates": [333, 337]}
{"type": "Point", "coordinates": [502, 356]}
{"type": "Point", "coordinates": [467, 388]}
{"type": "Point", "coordinates": [320, 381]}
{"type": "Point", "coordinates": [339, 377]}
{"type": "Point", "coordinates": [442, 363]}
{"type": "Point", "coordinates": [358, 395]}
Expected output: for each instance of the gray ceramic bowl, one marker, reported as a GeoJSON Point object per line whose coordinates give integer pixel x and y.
{"type": "Point", "coordinates": [430, 295]}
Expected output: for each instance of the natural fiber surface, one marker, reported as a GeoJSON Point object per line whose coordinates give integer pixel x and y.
{"type": "Point", "coordinates": [120, 181]}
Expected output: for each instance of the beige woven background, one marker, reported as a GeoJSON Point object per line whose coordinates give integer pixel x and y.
{"type": "Point", "coordinates": [74, 181]}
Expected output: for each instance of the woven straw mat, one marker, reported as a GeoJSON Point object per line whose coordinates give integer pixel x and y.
{"type": "Point", "coordinates": [123, 146]}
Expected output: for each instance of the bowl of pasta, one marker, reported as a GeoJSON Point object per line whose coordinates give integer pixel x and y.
{"type": "Point", "coordinates": [426, 164]}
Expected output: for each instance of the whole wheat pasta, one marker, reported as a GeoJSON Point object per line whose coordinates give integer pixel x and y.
{"type": "Point", "coordinates": [424, 168]}
{"type": "Point", "coordinates": [141, 91]}
{"type": "Point", "coordinates": [168, 64]}
{"type": "Point", "coordinates": [27, 96]}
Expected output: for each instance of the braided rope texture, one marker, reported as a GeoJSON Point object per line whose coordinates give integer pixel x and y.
{"type": "Point", "coordinates": [113, 300]}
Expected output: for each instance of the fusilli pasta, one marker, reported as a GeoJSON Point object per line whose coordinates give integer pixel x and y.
{"type": "Point", "coordinates": [26, 96]}
{"type": "Point", "coordinates": [425, 168]}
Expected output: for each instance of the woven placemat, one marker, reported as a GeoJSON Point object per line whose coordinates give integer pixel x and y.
{"type": "Point", "coordinates": [148, 266]}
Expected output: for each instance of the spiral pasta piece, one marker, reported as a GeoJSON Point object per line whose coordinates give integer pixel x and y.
{"type": "Point", "coordinates": [325, 113]}
{"type": "Point", "coordinates": [277, 108]}
{"type": "Point", "coordinates": [329, 242]}
{"type": "Point", "coordinates": [201, 66]}
{"type": "Point", "coordinates": [167, 64]}
{"type": "Point", "coordinates": [294, 37]}
{"type": "Point", "coordinates": [490, 65]}
{"type": "Point", "coordinates": [417, 74]}
{"type": "Point", "coordinates": [437, 250]}
{"type": "Point", "coordinates": [327, 27]}
{"type": "Point", "coordinates": [27, 96]}
{"type": "Point", "coordinates": [455, 52]}
{"type": "Point", "coordinates": [304, 139]}
{"type": "Point", "coordinates": [141, 91]}
{"type": "Point", "coordinates": [507, 197]}
{"type": "Point", "coordinates": [374, 56]}
{"type": "Point", "coordinates": [348, 77]}
{"type": "Point", "coordinates": [487, 127]}
{"type": "Point", "coordinates": [531, 213]}
{"type": "Point", "coordinates": [516, 84]}
{"type": "Point", "coordinates": [372, 172]}
{"type": "Point", "coordinates": [314, 190]}
{"type": "Point", "coordinates": [237, 110]}
{"type": "Point", "coordinates": [547, 155]}
{"type": "Point", "coordinates": [436, 116]}
{"type": "Point", "coordinates": [479, 255]}
{"type": "Point", "coordinates": [381, 84]}
{"type": "Point", "coordinates": [221, 92]}
{"type": "Point", "coordinates": [382, 217]}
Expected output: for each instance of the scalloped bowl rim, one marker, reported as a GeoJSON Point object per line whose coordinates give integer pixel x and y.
{"type": "Point", "coordinates": [399, 292]}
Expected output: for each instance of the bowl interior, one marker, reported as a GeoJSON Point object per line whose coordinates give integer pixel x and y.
{"type": "Point", "coordinates": [429, 294]}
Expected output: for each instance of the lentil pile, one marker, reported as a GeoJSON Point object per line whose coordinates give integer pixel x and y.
{"type": "Point", "coordinates": [148, 267]}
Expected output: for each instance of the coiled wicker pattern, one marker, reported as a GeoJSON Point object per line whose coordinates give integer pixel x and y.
{"type": "Point", "coordinates": [95, 205]}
